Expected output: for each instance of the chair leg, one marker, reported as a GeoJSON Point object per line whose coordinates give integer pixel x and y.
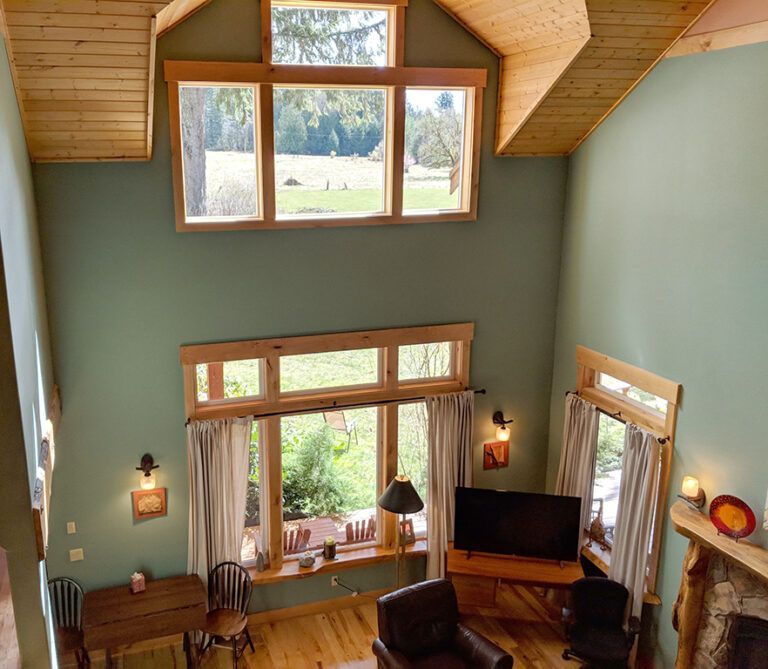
{"type": "Point", "coordinates": [206, 641]}
{"type": "Point", "coordinates": [248, 638]}
{"type": "Point", "coordinates": [234, 652]}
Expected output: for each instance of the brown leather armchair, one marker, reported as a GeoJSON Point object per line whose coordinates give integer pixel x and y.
{"type": "Point", "coordinates": [419, 628]}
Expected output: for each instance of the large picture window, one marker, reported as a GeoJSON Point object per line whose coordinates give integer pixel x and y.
{"type": "Point", "coordinates": [336, 417]}
{"type": "Point", "coordinates": [331, 129]}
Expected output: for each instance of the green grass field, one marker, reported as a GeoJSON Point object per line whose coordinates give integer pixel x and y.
{"type": "Point", "coordinates": [364, 200]}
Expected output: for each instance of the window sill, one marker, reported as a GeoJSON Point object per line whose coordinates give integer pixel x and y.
{"type": "Point", "coordinates": [601, 558]}
{"type": "Point", "coordinates": [352, 559]}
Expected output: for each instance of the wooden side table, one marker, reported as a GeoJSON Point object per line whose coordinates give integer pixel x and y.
{"type": "Point", "coordinates": [475, 578]}
{"type": "Point", "coordinates": [114, 616]}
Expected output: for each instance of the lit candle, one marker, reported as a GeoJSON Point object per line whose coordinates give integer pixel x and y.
{"type": "Point", "coordinates": [690, 486]}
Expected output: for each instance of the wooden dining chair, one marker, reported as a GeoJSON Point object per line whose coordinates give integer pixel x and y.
{"type": "Point", "coordinates": [229, 591]}
{"type": "Point", "coordinates": [67, 609]}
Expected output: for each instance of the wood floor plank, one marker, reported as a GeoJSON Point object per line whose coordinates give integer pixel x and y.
{"type": "Point", "coordinates": [342, 639]}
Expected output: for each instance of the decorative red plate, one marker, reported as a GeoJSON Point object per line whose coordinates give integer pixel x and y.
{"type": "Point", "coordinates": [731, 516]}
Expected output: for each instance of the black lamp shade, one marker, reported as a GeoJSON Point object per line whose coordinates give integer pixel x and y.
{"type": "Point", "coordinates": [401, 497]}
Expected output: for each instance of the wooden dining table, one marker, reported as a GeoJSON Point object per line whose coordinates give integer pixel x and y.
{"type": "Point", "coordinates": [114, 617]}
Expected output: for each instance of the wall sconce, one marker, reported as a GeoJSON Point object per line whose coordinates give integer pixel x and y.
{"type": "Point", "coordinates": [692, 492]}
{"type": "Point", "coordinates": [502, 431]}
{"type": "Point", "coordinates": [147, 480]}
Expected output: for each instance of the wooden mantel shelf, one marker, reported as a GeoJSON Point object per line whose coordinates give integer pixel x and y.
{"type": "Point", "coordinates": [697, 527]}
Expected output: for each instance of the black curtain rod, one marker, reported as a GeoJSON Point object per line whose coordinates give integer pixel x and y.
{"type": "Point", "coordinates": [336, 407]}
{"type": "Point", "coordinates": [616, 416]}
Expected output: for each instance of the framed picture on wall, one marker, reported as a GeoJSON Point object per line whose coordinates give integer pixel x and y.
{"type": "Point", "coordinates": [149, 503]}
{"type": "Point", "coordinates": [407, 535]}
{"type": "Point", "coordinates": [495, 454]}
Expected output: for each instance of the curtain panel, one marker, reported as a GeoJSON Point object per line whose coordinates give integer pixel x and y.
{"type": "Point", "coordinates": [450, 421]}
{"type": "Point", "coordinates": [218, 455]}
{"type": "Point", "coordinates": [576, 474]}
{"type": "Point", "coordinates": [640, 480]}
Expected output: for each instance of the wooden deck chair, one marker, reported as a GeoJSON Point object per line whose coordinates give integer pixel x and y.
{"type": "Point", "coordinates": [337, 421]}
{"type": "Point", "coordinates": [295, 541]}
{"type": "Point", "coordinates": [454, 177]}
{"type": "Point", "coordinates": [361, 530]}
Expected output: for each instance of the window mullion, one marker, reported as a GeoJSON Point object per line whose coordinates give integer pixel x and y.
{"type": "Point", "coordinates": [388, 470]}
{"type": "Point", "coordinates": [273, 470]}
{"type": "Point", "coordinates": [267, 144]}
{"type": "Point", "coordinates": [266, 31]}
{"type": "Point", "coordinates": [396, 154]}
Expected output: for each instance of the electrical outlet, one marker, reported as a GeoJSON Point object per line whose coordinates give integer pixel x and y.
{"type": "Point", "coordinates": [76, 554]}
{"type": "Point", "coordinates": [334, 581]}
{"type": "Point", "coordinates": [71, 527]}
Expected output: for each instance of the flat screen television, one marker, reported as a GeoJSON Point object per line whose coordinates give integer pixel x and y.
{"type": "Point", "coordinates": [517, 523]}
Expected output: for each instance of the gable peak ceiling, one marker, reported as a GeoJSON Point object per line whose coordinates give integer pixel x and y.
{"type": "Point", "coordinates": [84, 73]}
{"type": "Point", "coordinates": [565, 64]}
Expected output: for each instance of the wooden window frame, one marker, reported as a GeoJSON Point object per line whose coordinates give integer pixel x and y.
{"type": "Point", "coordinates": [386, 395]}
{"type": "Point", "coordinates": [395, 22]}
{"type": "Point", "coordinates": [395, 79]}
{"type": "Point", "coordinates": [589, 365]}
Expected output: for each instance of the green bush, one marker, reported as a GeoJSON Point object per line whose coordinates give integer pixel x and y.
{"type": "Point", "coordinates": [310, 483]}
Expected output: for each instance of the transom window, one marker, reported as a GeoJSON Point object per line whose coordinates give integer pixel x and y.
{"type": "Point", "coordinates": [331, 129]}
{"type": "Point", "coordinates": [336, 417]}
{"type": "Point", "coordinates": [326, 33]}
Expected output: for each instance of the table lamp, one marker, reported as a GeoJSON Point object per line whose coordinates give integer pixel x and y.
{"type": "Point", "coordinates": [400, 497]}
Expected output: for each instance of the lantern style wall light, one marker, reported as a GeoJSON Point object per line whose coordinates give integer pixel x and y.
{"type": "Point", "coordinates": [147, 480]}
{"type": "Point", "coordinates": [502, 431]}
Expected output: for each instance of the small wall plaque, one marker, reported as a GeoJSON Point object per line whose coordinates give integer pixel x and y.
{"type": "Point", "coordinates": [495, 454]}
{"type": "Point", "coordinates": [149, 503]}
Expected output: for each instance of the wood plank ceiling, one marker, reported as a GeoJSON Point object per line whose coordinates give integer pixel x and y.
{"type": "Point", "coordinates": [565, 64]}
{"type": "Point", "coordinates": [84, 73]}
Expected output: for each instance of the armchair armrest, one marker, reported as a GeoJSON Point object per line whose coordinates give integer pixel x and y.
{"type": "Point", "coordinates": [477, 651]}
{"type": "Point", "coordinates": [389, 657]}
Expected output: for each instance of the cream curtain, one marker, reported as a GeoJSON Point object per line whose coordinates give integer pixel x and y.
{"type": "Point", "coordinates": [640, 473]}
{"type": "Point", "coordinates": [449, 465]}
{"type": "Point", "coordinates": [217, 452]}
{"type": "Point", "coordinates": [576, 475]}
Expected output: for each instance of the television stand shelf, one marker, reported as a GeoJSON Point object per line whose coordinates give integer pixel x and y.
{"type": "Point", "coordinates": [475, 577]}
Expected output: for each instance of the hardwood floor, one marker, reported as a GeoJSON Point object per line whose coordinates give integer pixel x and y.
{"type": "Point", "coordinates": [9, 647]}
{"type": "Point", "coordinates": [342, 639]}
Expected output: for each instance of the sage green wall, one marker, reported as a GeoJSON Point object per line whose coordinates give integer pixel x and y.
{"type": "Point", "coordinates": [665, 265]}
{"type": "Point", "coordinates": [125, 290]}
{"type": "Point", "coordinates": [25, 375]}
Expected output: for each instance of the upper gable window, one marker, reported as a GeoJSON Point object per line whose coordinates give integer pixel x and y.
{"type": "Point", "coordinates": [329, 130]}
{"type": "Point", "coordinates": [328, 34]}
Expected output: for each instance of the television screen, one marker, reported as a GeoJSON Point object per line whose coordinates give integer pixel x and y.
{"type": "Point", "coordinates": [517, 523]}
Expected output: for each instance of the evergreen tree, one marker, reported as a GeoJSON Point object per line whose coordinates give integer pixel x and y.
{"type": "Point", "coordinates": [291, 135]}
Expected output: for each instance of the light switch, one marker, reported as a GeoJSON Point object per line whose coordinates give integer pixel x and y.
{"type": "Point", "coordinates": [76, 554]}
{"type": "Point", "coordinates": [71, 527]}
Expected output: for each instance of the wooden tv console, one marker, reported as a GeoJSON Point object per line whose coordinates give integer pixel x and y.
{"type": "Point", "coordinates": [475, 577]}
